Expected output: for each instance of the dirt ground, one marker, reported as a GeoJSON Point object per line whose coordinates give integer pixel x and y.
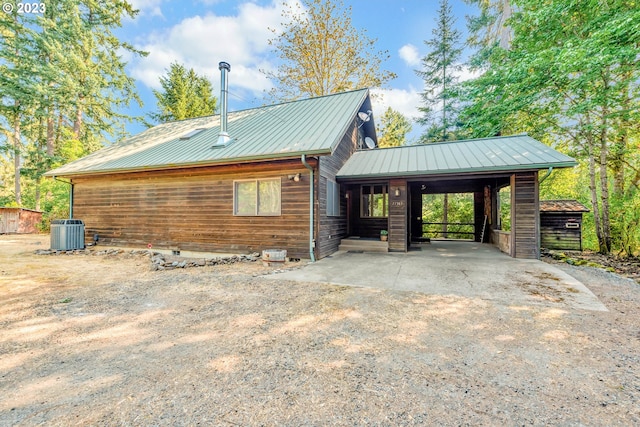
{"type": "Point", "coordinates": [104, 340]}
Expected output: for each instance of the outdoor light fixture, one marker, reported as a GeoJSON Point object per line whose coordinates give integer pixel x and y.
{"type": "Point", "coordinates": [295, 177]}
{"type": "Point", "coordinates": [397, 192]}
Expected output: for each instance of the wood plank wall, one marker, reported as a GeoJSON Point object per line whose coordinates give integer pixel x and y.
{"type": "Point", "coordinates": [331, 229]}
{"type": "Point", "coordinates": [525, 218]}
{"type": "Point", "coordinates": [398, 228]}
{"type": "Point", "coordinates": [478, 214]}
{"type": "Point", "coordinates": [192, 209]}
{"type": "Point", "coordinates": [554, 233]}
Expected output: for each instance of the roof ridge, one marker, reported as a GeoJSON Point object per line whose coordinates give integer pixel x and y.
{"type": "Point", "coordinates": [262, 107]}
{"type": "Point", "coordinates": [457, 141]}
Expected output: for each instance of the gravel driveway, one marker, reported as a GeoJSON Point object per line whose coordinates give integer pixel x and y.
{"type": "Point", "coordinates": [103, 340]}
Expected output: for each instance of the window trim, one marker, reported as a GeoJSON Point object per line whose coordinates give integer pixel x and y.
{"type": "Point", "coordinates": [385, 201]}
{"type": "Point", "coordinates": [257, 205]}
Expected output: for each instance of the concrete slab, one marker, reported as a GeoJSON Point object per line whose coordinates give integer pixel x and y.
{"type": "Point", "coordinates": [453, 268]}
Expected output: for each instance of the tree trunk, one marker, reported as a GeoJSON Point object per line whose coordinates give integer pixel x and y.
{"type": "Point", "coordinates": [604, 196]}
{"type": "Point", "coordinates": [16, 161]}
{"type": "Point", "coordinates": [594, 194]}
{"type": "Point", "coordinates": [50, 132]}
{"type": "Point", "coordinates": [77, 122]}
{"type": "Point", "coordinates": [38, 186]}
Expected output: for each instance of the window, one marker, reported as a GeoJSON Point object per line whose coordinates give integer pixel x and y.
{"type": "Point", "coordinates": [333, 198]}
{"type": "Point", "coordinates": [375, 201]}
{"type": "Point", "coordinates": [192, 133]}
{"type": "Point", "coordinates": [259, 197]}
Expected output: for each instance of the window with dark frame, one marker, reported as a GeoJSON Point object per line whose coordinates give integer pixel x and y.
{"type": "Point", "coordinates": [375, 201]}
{"type": "Point", "coordinates": [258, 197]}
{"type": "Point", "coordinates": [333, 198]}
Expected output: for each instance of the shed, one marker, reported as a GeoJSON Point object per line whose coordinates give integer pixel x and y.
{"type": "Point", "coordinates": [19, 220]}
{"type": "Point", "coordinates": [561, 224]}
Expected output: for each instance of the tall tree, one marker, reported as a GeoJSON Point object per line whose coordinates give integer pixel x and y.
{"type": "Point", "coordinates": [62, 80]}
{"type": "Point", "coordinates": [393, 129]}
{"type": "Point", "coordinates": [490, 28]}
{"type": "Point", "coordinates": [18, 88]}
{"type": "Point", "coordinates": [572, 72]}
{"type": "Point", "coordinates": [184, 95]}
{"type": "Point", "coordinates": [439, 68]}
{"type": "Point", "coordinates": [322, 53]}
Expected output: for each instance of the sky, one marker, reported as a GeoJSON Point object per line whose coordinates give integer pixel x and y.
{"type": "Point", "coordinates": [201, 33]}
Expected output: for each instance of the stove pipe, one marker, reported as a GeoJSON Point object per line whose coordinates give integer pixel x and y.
{"type": "Point", "coordinates": [223, 137]}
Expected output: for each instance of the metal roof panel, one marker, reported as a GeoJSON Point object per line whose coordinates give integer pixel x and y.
{"type": "Point", "coordinates": [499, 154]}
{"type": "Point", "coordinates": [309, 126]}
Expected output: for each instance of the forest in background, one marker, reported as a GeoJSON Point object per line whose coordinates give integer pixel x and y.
{"type": "Point", "coordinates": [564, 71]}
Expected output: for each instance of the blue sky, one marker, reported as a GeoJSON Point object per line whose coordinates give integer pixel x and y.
{"type": "Point", "coordinates": [201, 33]}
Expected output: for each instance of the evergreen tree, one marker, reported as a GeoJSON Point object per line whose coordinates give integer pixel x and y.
{"type": "Point", "coordinates": [322, 53]}
{"type": "Point", "coordinates": [439, 67]}
{"type": "Point", "coordinates": [184, 95]}
{"type": "Point", "coordinates": [571, 74]}
{"type": "Point", "coordinates": [62, 83]}
{"type": "Point", "coordinates": [393, 129]}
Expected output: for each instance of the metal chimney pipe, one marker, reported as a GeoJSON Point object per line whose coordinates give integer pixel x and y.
{"type": "Point", "coordinates": [223, 137]}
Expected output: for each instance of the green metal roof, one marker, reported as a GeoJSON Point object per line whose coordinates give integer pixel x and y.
{"type": "Point", "coordinates": [500, 154]}
{"type": "Point", "coordinates": [310, 126]}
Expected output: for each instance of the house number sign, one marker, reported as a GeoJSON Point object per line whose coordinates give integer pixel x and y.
{"type": "Point", "coordinates": [397, 204]}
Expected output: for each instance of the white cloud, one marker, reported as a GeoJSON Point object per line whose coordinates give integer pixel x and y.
{"type": "Point", "coordinates": [147, 7]}
{"type": "Point", "coordinates": [201, 42]}
{"type": "Point", "coordinates": [404, 101]}
{"type": "Point", "coordinates": [466, 74]}
{"type": "Point", "coordinates": [409, 54]}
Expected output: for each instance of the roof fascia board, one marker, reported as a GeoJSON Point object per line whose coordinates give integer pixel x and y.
{"type": "Point", "coordinates": [347, 125]}
{"type": "Point", "coordinates": [467, 172]}
{"type": "Point", "coordinates": [235, 161]}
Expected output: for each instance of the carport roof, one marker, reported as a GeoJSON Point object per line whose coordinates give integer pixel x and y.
{"type": "Point", "coordinates": [499, 154]}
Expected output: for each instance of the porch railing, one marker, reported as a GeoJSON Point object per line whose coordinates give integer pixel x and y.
{"type": "Point", "coordinates": [452, 230]}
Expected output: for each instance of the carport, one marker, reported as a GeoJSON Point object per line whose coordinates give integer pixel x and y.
{"type": "Point", "coordinates": [384, 188]}
{"type": "Point", "coordinates": [460, 269]}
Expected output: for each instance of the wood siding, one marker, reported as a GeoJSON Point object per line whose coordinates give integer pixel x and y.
{"type": "Point", "coordinates": [554, 233]}
{"type": "Point", "coordinates": [525, 218]}
{"type": "Point", "coordinates": [20, 221]}
{"type": "Point", "coordinates": [398, 231]}
{"type": "Point", "coordinates": [192, 209]}
{"type": "Point", "coordinates": [331, 229]}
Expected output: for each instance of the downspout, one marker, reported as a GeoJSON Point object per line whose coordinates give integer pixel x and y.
{"type": "Point", "coordinates": [546, 175]}
{"type": "Point", "coordinates": [311, 240]}
{"type": "Point", "coordinates": [70, 195]}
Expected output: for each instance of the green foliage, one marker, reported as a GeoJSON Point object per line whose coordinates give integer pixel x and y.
{"type": "Point", "coordinates": [504, 209]}
{"type": "Point", "coordinates": [570, 76]}
{"type": "Point", "coordinates": [440, 95]}
{"type": "Point", "coordinates": [459, 210]}
{"type": "Point", "coordinates": [393, 129]}
{"type": "Point", "coordinates": [322, 53]}
{"type": "Point", "coordinates": [62, 85]}
{"type": "Point", "coordinates": [184, 95]}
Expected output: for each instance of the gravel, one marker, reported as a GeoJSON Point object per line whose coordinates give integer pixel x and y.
{"type": "Point", "coordinates": [106, 340]}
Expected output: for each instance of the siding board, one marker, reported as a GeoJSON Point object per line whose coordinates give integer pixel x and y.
{"type": "Point", "coordinates": [332, 229]}
{"type": "Point", "coordinates": [525, 219]}
{"type": "Point", "coordinates": [192, 209]}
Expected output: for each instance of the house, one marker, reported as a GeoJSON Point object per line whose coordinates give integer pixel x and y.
{"type": "Point", "coordinates": [300, 176]}
{"type": "Point", "coordinates": [561, 224]}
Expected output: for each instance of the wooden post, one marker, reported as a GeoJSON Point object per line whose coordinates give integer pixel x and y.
{"type": "Point", "coordinates": [478, 214]}
{"type": "Point", "coordinates": [525, 217]}
{"type": "Point", "coordinates": [398, 215]}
